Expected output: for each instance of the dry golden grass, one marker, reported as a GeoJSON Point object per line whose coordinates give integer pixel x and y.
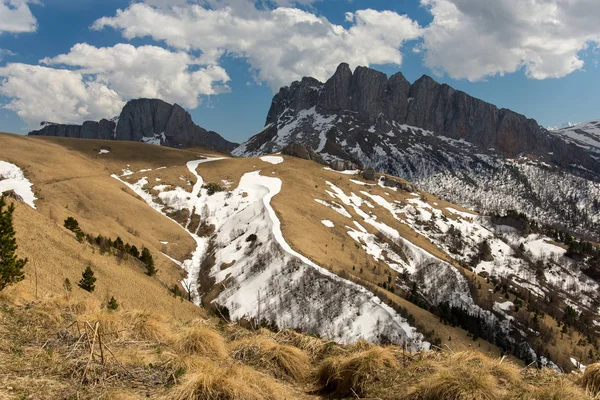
{"type": "Point", "coordinates": [210, 381]}
{"type": "Point", "coordinates": [54, 255]}
{"type": "Point", "coordinates": [313, 346]}
{"type": "Point", "coordinates": [551, 385]}
{"type": "Point", "coordinates": [591, 379]}
{"type": "Point", "coordinates": [468, 376]}
{"type": "Point", "coordinates": [201, 341]}
{"type": "Point", "coordinates": [458, 384]}
{"type": "Point", "coordinates": [170, 359]}
{"type": "Point", "coordinates": [71, 179]}
{"type": "Point", "coordinates": [279, 360]}
{"type": "Point", "coordinates": [352, 375]}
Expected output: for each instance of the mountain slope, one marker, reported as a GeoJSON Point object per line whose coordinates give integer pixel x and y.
{"type": "Point", "coordinates": [146, 120]}
{"type": "Point", "coordinates": [284, 241]}
{"type": "Point", "coordinates": [450, 144]}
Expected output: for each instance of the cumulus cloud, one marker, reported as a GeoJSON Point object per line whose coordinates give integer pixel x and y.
{"type": "Point", "coordinates": [146, 71]}
{"type": "Point", "coordinates": [474, 39]}
{"type": "Point", "coordinates": [16, 17]}
{"type": "Point", "coordinates": [39, 93]}
{"type": "Point", "coordinates": [99, 80]}
{"type": "Point", "coordinates": [281, 44]}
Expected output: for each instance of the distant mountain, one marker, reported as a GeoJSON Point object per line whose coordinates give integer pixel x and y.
{"type": "Point", "coordinates": [449, 143]}
{"type": "Point", "coordinates": [143, 120]}
{"type": "Point", "coordinates": [585, 135]}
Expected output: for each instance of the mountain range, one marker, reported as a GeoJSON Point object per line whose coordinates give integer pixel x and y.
{"type": "Point", "coordinates": [451, 144]}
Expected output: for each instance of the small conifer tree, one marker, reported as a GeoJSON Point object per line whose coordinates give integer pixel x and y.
{"type": "Point", "coordinates": [72, 224]}
{"type": "Point", "coordinates": [88, 280]}
{"type": "Point", "coordinates": [148, 260]}
{"type": "Point", "coordinates": [11, 267]}
{"type": "Point", "coordinates": [112, 304]}
{"type": "Point", "coordinates": [134, 252]}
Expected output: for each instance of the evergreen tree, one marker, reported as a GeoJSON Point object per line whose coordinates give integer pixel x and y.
{"type": "Point", "coordinates": [112, 304]}
{"type": "Point", "coordinates": [11, 267]}
{"type": "Point", "coordinates": [72, 224]}
{"type": "Point", "coordinates": [147, 259]}
{"type": "Point", "coordinates": [118, 243]}
{"type": "Point", "coordinates": [134, 252]}
{"type": "Point", "coordinates": [88, 280]}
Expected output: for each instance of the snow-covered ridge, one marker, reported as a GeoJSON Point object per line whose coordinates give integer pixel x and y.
{"type": "Point", "coordinates": [12, 178]}
{"type": "Point", "coordinates": [586, 135]}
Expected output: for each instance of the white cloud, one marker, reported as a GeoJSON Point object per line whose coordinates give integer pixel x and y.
{"type": "Point", "coordinates": [473, 39]}
{"type": "Point", "coordinates": [102, 79]}
{"type": "Point", "coordinates": [39, 93]}
{"type": "Point", "coordinates": [146, 71]}
{"type": "Point", "coordinates": [16, 17]}
{"type": "Point", "coordinates": [6, 53]}
{"type": "Point", "coordinates": [281, 44]}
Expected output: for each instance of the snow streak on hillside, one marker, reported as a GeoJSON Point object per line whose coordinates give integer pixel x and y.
{"type": "Point", "coordinates": [262, 276]}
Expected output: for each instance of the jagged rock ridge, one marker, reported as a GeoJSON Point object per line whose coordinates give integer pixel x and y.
{"type": "Point", "coordinates": [147, 120]}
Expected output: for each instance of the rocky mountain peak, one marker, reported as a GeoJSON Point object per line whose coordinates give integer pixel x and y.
{"type": "Point", "coordinates": [147, 120]}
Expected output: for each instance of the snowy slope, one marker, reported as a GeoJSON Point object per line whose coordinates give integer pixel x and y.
{"type": "Point", "coordinates": [294, 292]}
{"type": "Point", "coordinates": [455, 170]}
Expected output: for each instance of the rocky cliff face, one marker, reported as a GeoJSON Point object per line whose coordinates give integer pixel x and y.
{"type": "Point", "coordinates": [147, 120]}
{"type": "Point", "coordinates": [428, 105]}
{"type": "Point", "coordinates": [449, 143]}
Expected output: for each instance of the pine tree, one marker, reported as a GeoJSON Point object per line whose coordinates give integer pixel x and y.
{"type": "Point", "coordinates": [67, 285]}
{"type": "Point", "coordinates": [11, 267]}
{"type": "Point", "coordinates": [72, 224]}
{"type": "Point", "coordinates": [88, 280]}
{"type": "Point", "coordinates": [118, 244]}
{"type": "Point", "coordinates": [112, 304]}
{"type": "Point", "coordinates": [134, 252]}
{"type": "Point", "coordinates": [147, 259]}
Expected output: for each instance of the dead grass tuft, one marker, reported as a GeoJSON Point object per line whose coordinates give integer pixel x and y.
{"type": "Point", "coordinates": [591, 380]}
{"type": "Point", "coordinates": [311, 345]}
{"type": "Point", "coordinates": [552, 385]}
{"type": "Point", "coordinates": [203, 341]}
{"type": "Point", "coordinates": [350, 375]}
{"type": "Point", "coordinates": [209, 381]}
{"type": "Point", "coordinates": [459, 383]}
{"type": "Point", "coordinates": [281, 361]}
{"type": "Point", "coordinates": [146, 326]}
{"type": "Point", "coordinates": [503, 370]}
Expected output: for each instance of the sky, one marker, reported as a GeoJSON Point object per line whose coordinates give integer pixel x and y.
{"type": "Point", "coordinates": [68, 61]}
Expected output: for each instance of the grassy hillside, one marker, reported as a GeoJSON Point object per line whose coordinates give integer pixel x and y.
{"type": "Point", "coordinates": [160, 345]}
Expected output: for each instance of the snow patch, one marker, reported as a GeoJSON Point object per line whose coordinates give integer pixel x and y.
{"type": "Point", "coordinates": [12, 178]}
{"type": "Point", "coordinates": [272, 159]}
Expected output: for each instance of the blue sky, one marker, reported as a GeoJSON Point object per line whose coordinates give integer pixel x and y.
{"type": "Point", "coordinates": [501, 53]}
